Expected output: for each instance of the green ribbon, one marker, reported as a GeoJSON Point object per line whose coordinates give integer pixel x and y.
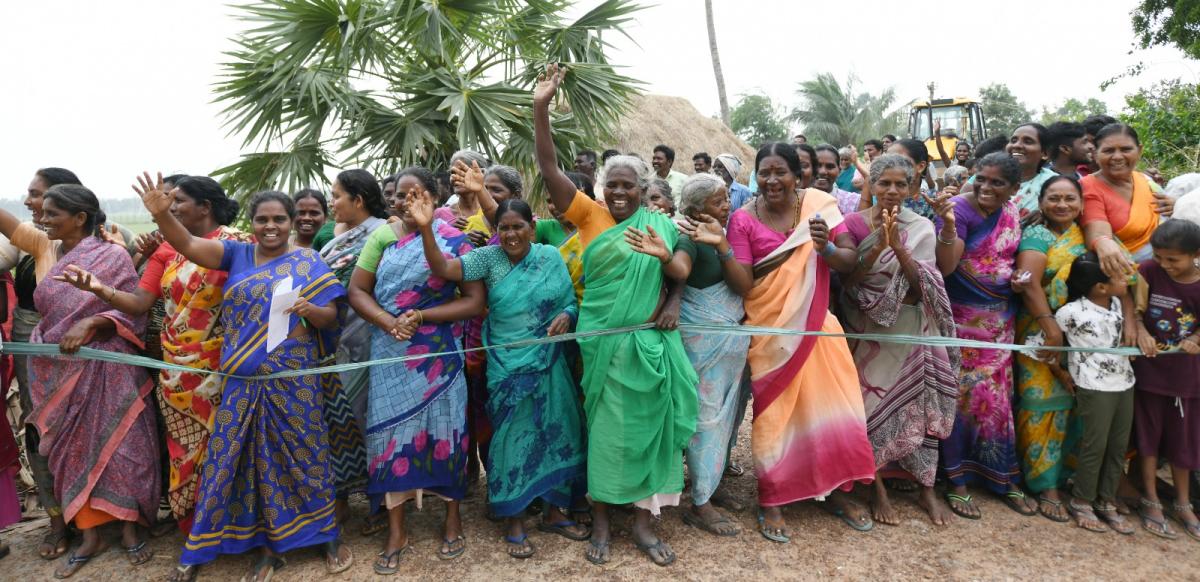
{"type": "Point", "coordinates": [51, 350]}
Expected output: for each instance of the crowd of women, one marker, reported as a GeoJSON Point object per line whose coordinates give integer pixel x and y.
{"type": "Point", "coordinates": [258, 454]}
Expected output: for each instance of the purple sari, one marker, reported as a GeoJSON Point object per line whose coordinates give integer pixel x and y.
{"type": "Point", "coordinates": [96, 428]}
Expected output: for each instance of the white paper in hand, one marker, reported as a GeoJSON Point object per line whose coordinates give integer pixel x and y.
{"type": "Point", "coordinates": [278, 322]}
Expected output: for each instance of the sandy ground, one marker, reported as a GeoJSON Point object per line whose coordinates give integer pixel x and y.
{"type": "Point", "coordinates": [1003, 545]}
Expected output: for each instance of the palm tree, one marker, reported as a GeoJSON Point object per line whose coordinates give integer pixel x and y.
{"type": "Point", "coordinates": [389, 83]}
{"type": "Point", "coordinates": [716, 61]}
{"type": "Point", "coordinates": [836, 114]}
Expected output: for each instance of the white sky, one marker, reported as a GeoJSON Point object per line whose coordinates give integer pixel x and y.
{"type": "Point", "coordinates": [110, 88]}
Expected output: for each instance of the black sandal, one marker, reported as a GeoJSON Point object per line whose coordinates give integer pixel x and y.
{"type": "Point", "coordinates": [662, 548]}
{"type": "Point", "coordinates": [135, 555]}
{"type": "Point", "coordinates": [382, 566]}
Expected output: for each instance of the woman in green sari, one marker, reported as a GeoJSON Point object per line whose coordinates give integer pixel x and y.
{"type": "Point", "coordinates": [1043, 412]}
{"type": "Point", "coordinates": [639, 387]}
{"type": "Point", "coordinates": [537, 450]}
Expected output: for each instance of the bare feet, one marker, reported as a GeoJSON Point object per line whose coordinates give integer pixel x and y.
{"type": "Point", "coordinates": [881, 507]}
{"type": "Point", "coordinates": [939, 512]}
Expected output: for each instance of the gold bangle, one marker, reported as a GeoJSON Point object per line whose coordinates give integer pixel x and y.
{"type": "Point", "coordinates": [420, 317]}
{"type": "Point", "coordinates": [111, 295]}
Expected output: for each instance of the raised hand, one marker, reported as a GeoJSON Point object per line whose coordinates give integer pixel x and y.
{"type": "Point", "coordinates": [704, 229]}
{"type": "Point", "coordinates": [547, 84]}
{"type": "Point", "coordinates": [154, 198]}
{"type": "Point", "coordinates": [890, 228]}
{"type": "Point", "coordinates": [469, 178]}
{"type": "Point", "coordinates": [149, 242]}
{"type": "Point", "coordinates": [80, 279]}
{"type": "Point", "coordinates": [937, 128]}
{"type": "Point", "coordinates": [420, 206]}
{"type": "Point", "coordinates": [113, 235]}
{"type": "Point", "coordinates": [648, 243]}
{"type": "Point", "coordinates": [942, 206]}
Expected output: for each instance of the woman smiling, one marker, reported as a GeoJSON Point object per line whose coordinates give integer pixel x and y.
{"type": "Point", "coordinates": [639, 388]}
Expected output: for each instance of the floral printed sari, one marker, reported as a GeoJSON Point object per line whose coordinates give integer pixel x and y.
{"type": "Point", "coordinates": [1046, 431]}
{"type": "Point", "coordinates": [983, 442]}
{"type": "Point", "coordinates": [191, 336]}
{"type": "Point", "coordinates": [416, 417]}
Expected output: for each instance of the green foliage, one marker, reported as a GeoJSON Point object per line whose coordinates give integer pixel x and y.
{"type": "Point", "coordinates": [1002, 112]}
{"type": "Point", "coordinates": [1168, 23]}
{"type": "Point", "coordinates": [1073, 110]}
{"type": "Point", "coordinates": [383, 84]}
{"type": "Point", "coordinates": [756, 120]}
{"type": "Point", "coordinates": [837, 114]}
{"type": "Point", "coordinates": [1167, 119]}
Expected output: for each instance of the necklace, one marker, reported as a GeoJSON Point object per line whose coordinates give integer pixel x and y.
{"type": "Point", "coordinates": [795, 219]}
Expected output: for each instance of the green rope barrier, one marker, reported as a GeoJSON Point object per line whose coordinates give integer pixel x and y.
{"type": "Point", "coordinates": [30, 349]}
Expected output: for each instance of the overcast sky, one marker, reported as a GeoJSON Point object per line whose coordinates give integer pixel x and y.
{"type": "Point", "coordinates": [110, 88]}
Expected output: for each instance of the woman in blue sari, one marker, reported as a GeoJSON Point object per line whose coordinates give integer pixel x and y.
{"type": "Point", "coordinates": [267, 481]}
{"type": "Point", "coordinates": [417, 436]}
{"type": "Point", "coordinates": [532, 403]}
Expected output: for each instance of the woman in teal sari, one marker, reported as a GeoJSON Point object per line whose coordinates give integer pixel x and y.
{"type": "Point", "coordinates": [532, 400]}
{"type": "Point", "coordinates": [267, 481]}
{"type": "Point", "coordinates": [639, 387]}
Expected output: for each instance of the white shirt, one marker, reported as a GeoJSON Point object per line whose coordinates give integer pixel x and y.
{"type": "Point", "coordinates": [1087, 325]}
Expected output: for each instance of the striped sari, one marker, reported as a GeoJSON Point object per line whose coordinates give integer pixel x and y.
{"type": "Point", "coordinates": [1046, 430]}
{"type": "Point", "coordinates": [268, 479]}
{"type": "Point", "coordinates": [809, 436]}
{"type": "Point", "coordinates": [910, 391]}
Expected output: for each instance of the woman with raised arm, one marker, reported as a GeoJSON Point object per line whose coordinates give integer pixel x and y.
{"type": "Point", "coordinates": [978, 236]}
{"type": "Point", "coordinates": [895, 288]}
{"type": "Point", "coordinates": [810, 434]}
{"type": "Point", "coordinates": [533, 405]}
{"type": "Point", "coordinates": [713, 295]}
{"type": "Point", "coordinates": [269, 434]}
{"type": "Point", "coordinates": [191, 332]}
{"type": "Point", "coordinates": [417, 438]}
{"type": "Point", "coordinates": [97, 428]}
{"type": "Point", "coordinates": [639, 388]}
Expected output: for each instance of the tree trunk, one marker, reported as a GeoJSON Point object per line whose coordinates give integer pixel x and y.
{"type": "Point", "coordinates": [716, 61]}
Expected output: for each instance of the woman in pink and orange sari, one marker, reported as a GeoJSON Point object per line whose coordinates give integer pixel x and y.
{"type": "Point", "coordinates": [809, 435]}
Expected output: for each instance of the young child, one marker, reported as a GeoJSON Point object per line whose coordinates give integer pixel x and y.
{"type": "Point", "coordinates": [1103, 388]}
{"type": "Point", "coordinates": [1167, 407]}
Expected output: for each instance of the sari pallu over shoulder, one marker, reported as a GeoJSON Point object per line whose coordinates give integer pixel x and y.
{"type": "Point", "coordinates": [416, 414]}
{"type": "Point", "coordinates": [87, 412]}
{"type": "Point", "coordinates": [909, 392]}
{"type": "Point", "coordinates": [192, 336]}
{"type": "Point", "coordinates": [982, 444]}
{"type": "Point", "coordinates": [267, 480]}
{"type": "Point", "coordinates": [537, 448]}
{"type": "Point", "coordinates": [639, 388]}
{"type": "Point", "coordinates": [809, 436]}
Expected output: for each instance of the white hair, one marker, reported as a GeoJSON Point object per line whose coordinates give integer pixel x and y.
{"type": "Point", "coordinates": [636, 165]}
{"type": "Point", "coordinates": [697, 190]}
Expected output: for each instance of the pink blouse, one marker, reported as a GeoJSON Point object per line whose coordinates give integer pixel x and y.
{"type": "Point", "coordinates": [752, 240]}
